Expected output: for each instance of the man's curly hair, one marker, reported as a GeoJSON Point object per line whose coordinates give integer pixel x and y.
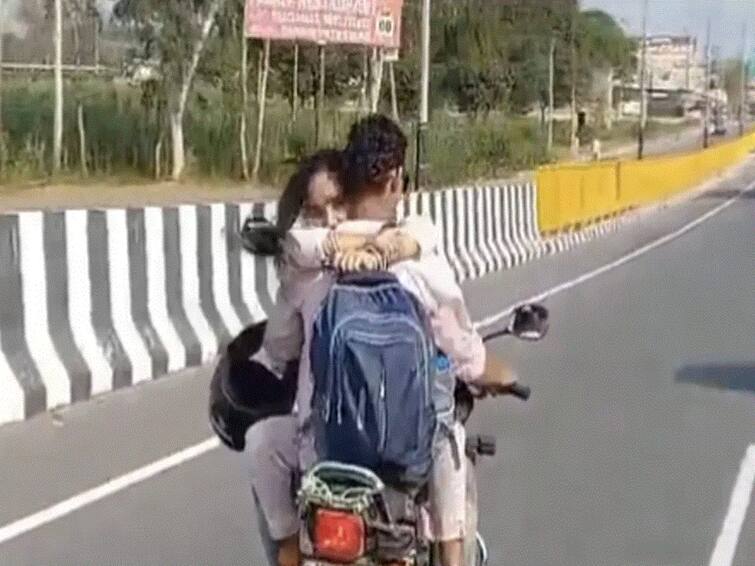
{"type": "Point", "coordinates": [376, 147]}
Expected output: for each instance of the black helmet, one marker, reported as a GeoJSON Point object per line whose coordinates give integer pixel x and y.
{"type": "Point", "coordinates": [243, 392]}
{"type": "Point", "coordinates": [261, 238]}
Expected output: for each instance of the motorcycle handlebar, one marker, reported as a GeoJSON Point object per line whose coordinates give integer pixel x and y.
{"type": "Point", "coordinates": [494, 335]}
{"type": "Point", "coordinates": [520, 391]}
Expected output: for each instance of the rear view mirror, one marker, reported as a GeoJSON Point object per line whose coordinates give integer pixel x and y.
{"type": "Point", "coordinates": [530, 322]}
{"type": "Point", "coordinates": [260, 237]}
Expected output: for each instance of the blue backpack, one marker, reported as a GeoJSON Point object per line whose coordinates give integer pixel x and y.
{"type": "Point", "coordinates": [374, 365]}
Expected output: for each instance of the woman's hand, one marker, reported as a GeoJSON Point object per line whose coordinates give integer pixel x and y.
{"type": "Point", "coordinates": [342, 242]}
{"type": "Point", "coordinates": [498, 378]}
{"type": "Point", "coordinates": [396, 245]}
{"type": "Point", "coordinates": [351, 253]}
{"type": "Point", "coordinates": [366, 258]}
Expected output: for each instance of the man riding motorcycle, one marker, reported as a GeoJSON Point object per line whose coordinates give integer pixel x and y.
{"type": "Point", "coordinates": [375, 169]}
{"type": "Point", "coordinates": [242, 412]}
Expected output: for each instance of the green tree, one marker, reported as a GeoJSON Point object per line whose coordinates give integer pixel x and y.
{"type": "Point", "coordinates": [175, 33]}
{"type": "Point", "coordinates": [732, 79]}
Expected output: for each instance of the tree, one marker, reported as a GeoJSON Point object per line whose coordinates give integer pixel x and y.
{"type": "Point", "coordinates": [175, 33]}
{"type": "Point", "coordinates": [2, 44]}
{"type": "Point", "coordinates": [57, 140]}
{"type": "Point", "coordinates": [78, 13]}
{"type": "Point", "coordinates": [732, 79]}
{"type": "Point", "coordinates": [603, 51]}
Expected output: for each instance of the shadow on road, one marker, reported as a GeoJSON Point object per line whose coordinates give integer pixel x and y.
{"type": "Point", "coordinates": [725, 194]}
{"type": "Point", "coordinates": [736, 377]}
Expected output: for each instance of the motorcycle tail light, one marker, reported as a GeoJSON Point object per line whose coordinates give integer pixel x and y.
{"type": "Point", "coordinates": [338, 536]}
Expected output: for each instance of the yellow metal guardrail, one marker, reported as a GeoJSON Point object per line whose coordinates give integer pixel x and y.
{"type": "Point", "coordinates": [571, 195]}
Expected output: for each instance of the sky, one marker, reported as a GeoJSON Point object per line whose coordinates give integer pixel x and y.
{"type": "Point", "coordinates": [688, 16]}
{"type": "Point", "coordinates": [664, 16]}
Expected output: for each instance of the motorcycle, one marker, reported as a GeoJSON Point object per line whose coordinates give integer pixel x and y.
{"type": "Point", "coordinates": [350, 517]}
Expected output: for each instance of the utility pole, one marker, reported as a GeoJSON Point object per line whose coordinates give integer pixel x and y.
{"type": "Point", "coordinates": [421, 174]}
{"type": "Point", "coordinates": [394, 95]}
{"type": "Point", "coordinates": [706, 89]}
{"type": "Point", "coordinates": [574, 140]}
{"type": "Point", "coordinates": [320, 99]}
{"type": "Point", "coordinates": [295, 88]}
{"type": "Point", "coordinates": [743, 83]}
{"type": "Point", "coordinates": [375, 67]}
{"type": "Point", "coordinates": [57, 142]}
{"type": "Point", "coordinates": [2, 32]}
{"type": "Point", "coordinates": [551, 93]}
{"type": "Point", "coordinates": [643, 91]}
{"type": "Point", "coordinates": [244, 106]}
{"type": "Point", "coordinates": [687, 64]}
{"type": "Point", "coordinates": [96, 40]}
{"type": "Point", "coordinates": [261, 108]}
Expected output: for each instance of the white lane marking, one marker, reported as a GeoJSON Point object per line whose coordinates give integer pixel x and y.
{"type": "Point", "coordinates": [728, 539]}
{"type": "Point", "coordinates": [617, 263]}
{"type": "Point", "coordinates": [111, 487]}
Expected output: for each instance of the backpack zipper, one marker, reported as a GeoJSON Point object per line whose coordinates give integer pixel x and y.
{"type": "Point", "coordinates": [383, 412]}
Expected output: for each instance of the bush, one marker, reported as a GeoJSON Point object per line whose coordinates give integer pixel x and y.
{"type": "Point", "coordinates": [122, 132]}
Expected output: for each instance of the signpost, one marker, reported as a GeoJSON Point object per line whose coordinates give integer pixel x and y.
{"type": "Point", "coordinates": [376, 23]}
{"type": "Point", "coordinates": [373, 23]}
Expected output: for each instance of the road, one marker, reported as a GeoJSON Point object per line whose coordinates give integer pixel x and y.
{"type": "Point", "coordinates": [627, 453]}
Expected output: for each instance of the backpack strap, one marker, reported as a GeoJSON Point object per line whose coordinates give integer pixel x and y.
{"type": "Point", "coordinates": [367, 278]}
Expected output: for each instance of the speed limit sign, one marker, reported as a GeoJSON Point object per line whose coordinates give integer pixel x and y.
{"type": "Point", "coordinates": [386, 25]}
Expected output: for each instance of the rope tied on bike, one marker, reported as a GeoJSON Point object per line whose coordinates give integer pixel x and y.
{"type": "Point", "coordinates": [340, 486]}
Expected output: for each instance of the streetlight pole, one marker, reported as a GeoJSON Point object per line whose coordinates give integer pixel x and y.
{"type": "Point", "coordinates": [743, 82]}
{"type": "Point", "coordinates": [706, 89]}
{"type": "Point", "coordinates": [421, 173]}
{"type": "Point", "coordinates": [643, 92]}
{"type": "Point", "coordinates": [2, 32]}
{"type": "Point", "coordinates": [57, 141]}
{"type": "Point", "coordinates": [551, 93]}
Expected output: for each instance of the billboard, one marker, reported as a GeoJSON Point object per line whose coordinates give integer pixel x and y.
{"type": "Point", "coordinates": [358, 22]}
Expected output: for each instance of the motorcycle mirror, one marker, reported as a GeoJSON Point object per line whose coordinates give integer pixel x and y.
{"type": "Point", "coordinates": [261, 237]}
{"type": "Point", "coordinates": [529, 322]}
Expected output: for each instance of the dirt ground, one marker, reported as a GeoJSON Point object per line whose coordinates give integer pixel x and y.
{"type": "Point", "coordinates": [106, 194]}
{"type": "Point", "coordinates": [115, 193]}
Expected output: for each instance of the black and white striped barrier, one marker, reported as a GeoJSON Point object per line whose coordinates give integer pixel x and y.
{"type": "Point", "coordinates": [485, 229]}
{"type": "Point", "coordinates": [97, 300]}
{"type": "Point", "coordinates": [92, 301]}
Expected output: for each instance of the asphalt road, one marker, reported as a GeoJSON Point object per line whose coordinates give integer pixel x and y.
{"type": "Point", "coordinates": [627, 453]}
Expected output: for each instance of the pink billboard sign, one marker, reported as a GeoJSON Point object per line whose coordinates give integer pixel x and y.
{"type": "Point", "coordinates": [356, 22]}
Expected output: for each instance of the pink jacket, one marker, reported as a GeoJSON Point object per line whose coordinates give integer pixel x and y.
{"type": "Point", "coordinates": [430, 278]}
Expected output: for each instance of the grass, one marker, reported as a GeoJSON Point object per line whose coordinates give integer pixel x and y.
{"type": "Point", "coordinates": [122, 134]}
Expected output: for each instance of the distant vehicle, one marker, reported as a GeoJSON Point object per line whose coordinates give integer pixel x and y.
{"type": "Point", "coordinates": [719, 124]}
{"type": "Point", "coordinates": [138, 71]}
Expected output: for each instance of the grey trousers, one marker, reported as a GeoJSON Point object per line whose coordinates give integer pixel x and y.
{"type": "Point", "coordinates": [270, 546]}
